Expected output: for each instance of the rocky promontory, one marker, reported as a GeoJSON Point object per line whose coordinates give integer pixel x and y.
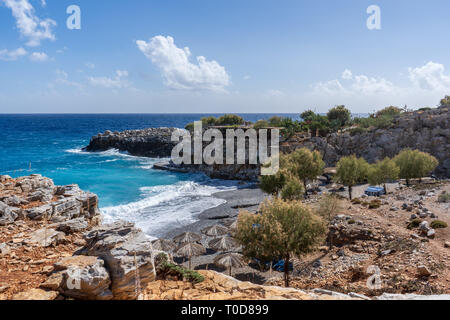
{"type": "Point", "coordinates": [151, 142]}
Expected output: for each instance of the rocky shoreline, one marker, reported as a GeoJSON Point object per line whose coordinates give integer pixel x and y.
{"type": "Point", "coordinates": [53, 246]}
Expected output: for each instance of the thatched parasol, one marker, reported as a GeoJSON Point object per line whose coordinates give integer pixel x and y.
{"type": "Point", "coordinates": [164, 245]}
{"type": "Point", "coordinates": [223, 244]}
{"type": "Point", "coordinates": [187, 237]}
{"type": "Point", "coordinates": [190, 249]}
{"type": "Point", "coordinates": [215, 231]}
{"type": "Point", "coordinates": [230, 260]}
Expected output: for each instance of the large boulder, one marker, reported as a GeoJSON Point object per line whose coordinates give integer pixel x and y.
{"type": "Point", "coordinates": [80, 277]}
{"type": "Point", "coordinates": [46, 237]}
{"type": "Point", "coordinates": [124, 249]}
{"type": "Point", "coordinates": [7, 214]}
{"type": "Point", "coordinates": [71, 226]}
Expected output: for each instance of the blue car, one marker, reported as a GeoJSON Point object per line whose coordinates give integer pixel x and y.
{"type": "Point", "coordinates": [375, 191]}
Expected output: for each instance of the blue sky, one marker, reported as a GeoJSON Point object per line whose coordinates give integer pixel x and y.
{"type": "Point", "coordinates": [259, 56]}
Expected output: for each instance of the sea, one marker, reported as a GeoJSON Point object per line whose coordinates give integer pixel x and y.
{"type": "Point", "coordinates": [128, 187]}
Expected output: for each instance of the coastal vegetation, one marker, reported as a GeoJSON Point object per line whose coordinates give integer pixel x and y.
{"type": "Point", "coordinates": [415, 164]}
{"type": "Point", "coordinates": [382, 172]}
{"type": "Point", "coordinates": [351, 171]}
{"type": "Point", "coordinates": [284, 229]}
{"type": "Point", "coordinates": [302, 165]}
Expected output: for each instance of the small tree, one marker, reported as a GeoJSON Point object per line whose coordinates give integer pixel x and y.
{"type": "Point", "coordinates": [351, 171]}
{"type": "Point", "coordinates": [389, 112]}
{"type": "Point", "coordinates": [445, 102]}
{"type": "Point", "coordinates": [272, 184]}
{"type": "Point", "coordinates": [339, 115]}
{"type": "Point", "coordinates": [415, 164]}
{"type": "Point", "coordinates": [229, 120]}
{"type": "Point", "coordinates": [283, 229]}
{"type": "Point", "coordinates": [382, 171]}
{"type": "Point", "coordinates": [306, 165]}
{"type": "Point", "coordinates": [292, 190]}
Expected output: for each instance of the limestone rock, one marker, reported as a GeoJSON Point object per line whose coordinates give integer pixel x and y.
{"type": "Point", "coordinates": [423, 271]}
{"type": "Point", "coordinates": [36, 294]}
{"type": "Point", "coordinates": [71, 226]}
{"type": "Point", "coordinates": [81, 277]}
{"type": "Point", "coordinates": [46, 237]}
{"type": "Point", "coordinates": [120, 244]}
{"type": "Point", "coordinates": [7, 214]}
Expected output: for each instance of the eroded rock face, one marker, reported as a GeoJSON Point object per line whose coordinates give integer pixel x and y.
{"type": "Point", "coordinates": [427, 131]}
{"type": "Point", "coordinates": [123, 248]}
{"type": "Point", "coordinates": [152, 142]}
{"type": "Point", "coordinates": [81, 277]}
{"type": "Point", "coordinates": [7, 214]}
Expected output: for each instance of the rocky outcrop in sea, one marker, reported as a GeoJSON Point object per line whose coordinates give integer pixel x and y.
{"type": "Point", "coordinates": [151, 142]}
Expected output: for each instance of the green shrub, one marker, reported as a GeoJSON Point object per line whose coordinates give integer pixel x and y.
{"type": "Point", "coordinates": [389, 111]}
{"type": "Point", "coordinates": [438, 224]}
{"type": "Point", "coordinates": [166, 268]}
{"type": "Point", "coordinates": [374, 205]}
{"type": "Point", "coordinates": [356, 201]}
{"type": "Point", "coordinates": [351, 221]}
{"type": "Point", "coordinates": [339, 116]}
{"type": "Point", "coordinates": [260, 124]}
{"type": "Point", "coordinates": [229, 120]}
{"type": "Point", "coordinates": [444, 198]}
{"type": "Point", "coordinates": [414, 223]}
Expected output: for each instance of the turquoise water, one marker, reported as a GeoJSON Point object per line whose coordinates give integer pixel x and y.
{"type": "Point", "coordinates": [127, 186]}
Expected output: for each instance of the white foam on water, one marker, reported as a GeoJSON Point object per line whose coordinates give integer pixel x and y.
{"type": "Point", "coordinates": [169, 206]}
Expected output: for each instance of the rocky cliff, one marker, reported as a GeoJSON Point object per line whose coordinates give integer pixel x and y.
{"type": "Point", "coordinates": [151, 142]}
{"type": "Point", "coordinates": [428, 131]}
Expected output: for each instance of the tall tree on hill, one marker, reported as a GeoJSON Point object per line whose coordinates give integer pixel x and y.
{"type": "Point", "coordinates": [383, 171]}
{"type": "Point", "coordinates": [415, 164]}
{"type": "Point", "coordinates": [306, 165]}
{"type": "Point", "coordinates": [351, 171]}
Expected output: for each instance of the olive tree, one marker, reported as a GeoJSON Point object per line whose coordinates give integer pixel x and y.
{"type": "Point", "coordinates": [339, 115]}
{"type": "Point", "coordinates": [306, 165]}
{"type": "Point", "coordinates": [383, 171]}
{"type": "Point", "coordinates": [415, 164]}
{"type": "Point", "coordinates": [284, 229]}
{"type": "Point", "coordinates": [350, 171]}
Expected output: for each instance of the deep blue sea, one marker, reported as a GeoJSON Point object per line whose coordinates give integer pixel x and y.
{"type": "Point", "coordinates": [127, 186]}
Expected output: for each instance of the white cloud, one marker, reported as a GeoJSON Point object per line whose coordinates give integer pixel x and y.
{"type": "Point", "coordinates": [178, 71]}
{"type": "Point", "coordinates": [13, 55]}
{"type": "Point", "coordinates": [430, 77]}
{"type": "Point", "coordinates": [360, 84]}
{"type": "Point", "coordinates": [43, 3]}
{"type": "Point", "coordinates": [90, 65]}
{"type": "Point", "coordinates": [39, 57]}
{"type": "Point", "coordinates": [119, 81]}
{"type": "Point", "coordinates": [347, 74]}
{"type": "Point", "coordinates": [329, 87]}
{"type": "Point", "coordinates": [275, 93]}
{"type": "Point", "coordinates": [29, 25]}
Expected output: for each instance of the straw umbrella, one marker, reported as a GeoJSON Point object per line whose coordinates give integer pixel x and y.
{"type": "Point", "coordinates": [190, 249]}
{"type": "Point", "coordinates": [215, 231]}
{"type": "Point", "coordinates": [164, 245]}
{"type": "Point", "coordinates": [223, 244]}
{"type": "Point", "coordinates": [230, 260]}
{"type": "Point", "coordinates": [187, 237]}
